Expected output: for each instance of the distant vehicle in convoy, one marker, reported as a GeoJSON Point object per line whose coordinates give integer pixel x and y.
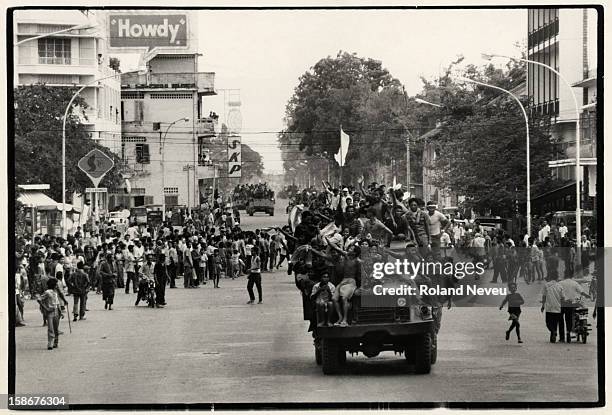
{"type": "Point", "coordinates": [260, 204]}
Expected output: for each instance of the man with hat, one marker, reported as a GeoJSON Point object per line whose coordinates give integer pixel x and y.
{"type": "Point", "coordinates": [438, 223]}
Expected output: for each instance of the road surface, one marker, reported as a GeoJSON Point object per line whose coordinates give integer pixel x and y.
{"type": "Point", "coordinates": [208, 345]}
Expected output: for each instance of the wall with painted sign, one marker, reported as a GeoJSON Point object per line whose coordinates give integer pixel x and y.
{"type": "Point", "coordinates": [234, 156]}
{"type": "Point", "coordinates": [152, 32]}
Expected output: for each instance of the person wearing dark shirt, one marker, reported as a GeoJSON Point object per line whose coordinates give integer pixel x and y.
{"type": "Point", "coordinates": [161, 277]}
{"type": "Point", "coordinates": [514, 301]}
{"type": "Point", "coordinates": [80, 287]}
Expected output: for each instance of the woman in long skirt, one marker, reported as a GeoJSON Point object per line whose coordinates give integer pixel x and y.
{"type": "Point", "coordinates": [109, 281]}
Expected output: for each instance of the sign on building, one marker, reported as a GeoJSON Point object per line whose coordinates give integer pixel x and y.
{"type": "Point", "coordinates": [95, 165]}
{"type": "Point", "coordinates": [234, 156]}
{"type": "Point", "coordinates": [138, 31]}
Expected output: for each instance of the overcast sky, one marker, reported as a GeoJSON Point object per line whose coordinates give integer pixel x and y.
{"type": "Point", "coordinates": [263, 53]}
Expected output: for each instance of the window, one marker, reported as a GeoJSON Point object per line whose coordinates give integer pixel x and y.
{"type": "Point", "coordinates": [171, 200]}
{"type": "Point", "coordinates": [142, 154]}
{"type": "Point", "coordinates": [171, 96]}
{"type": "Point", "coordinates": [133, 139]}
{"type": "Point", "coordinates": [54, 51]}
{"type": "Point", "coordinates": [132, 95]}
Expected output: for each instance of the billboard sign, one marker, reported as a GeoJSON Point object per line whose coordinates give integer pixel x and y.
{"type": "Point", "coordinates": [147, 31]}
{"type": "Point", "coordinates": [234, 156]}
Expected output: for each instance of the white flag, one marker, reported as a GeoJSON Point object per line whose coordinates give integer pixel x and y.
{"type": "Point", "coordinates": [344, 144]}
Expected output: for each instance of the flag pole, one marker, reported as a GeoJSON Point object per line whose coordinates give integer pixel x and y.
{"type": "Point", "coordinates": [341, 161]}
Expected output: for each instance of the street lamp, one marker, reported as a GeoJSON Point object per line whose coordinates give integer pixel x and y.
{"type": "Point", "coordinates": [576, 109]}
{"type": "Point", "coordinates": [64, 225]}
{"type": "Point", "coordinates": [527, 131]}
{"type": "Point", "coordinates": [163, 166]}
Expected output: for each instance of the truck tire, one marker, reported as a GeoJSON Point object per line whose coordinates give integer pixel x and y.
{"type": "Point", "coordinates": [341, 356]}
{"type": "Point", "coordinates": [434, 349]}
{"type": "Point", "coordinates": [318, 352]}
{"type": "Point", "coordinates": [272, 212]}
{"type": "Point", "coordinates": [331, 364]}
{"type": "Point", "coordinates": [422, 364]}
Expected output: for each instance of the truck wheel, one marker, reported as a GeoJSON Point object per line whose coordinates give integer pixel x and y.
{"type": "Point", "coordinates": [341, 356]}
{"type": "Point", "coordinates": [331, 365]}
{"type": "Point", "coordinates": [318, 352]}
{"type": "Point", "coordinates": [434, 349]}
{"type": "Point", "coordinates": [422, 364]}
{"type": "Point", "coordinates": [250, 212]}
{"type": "Point", "coordinates": [272, 212]}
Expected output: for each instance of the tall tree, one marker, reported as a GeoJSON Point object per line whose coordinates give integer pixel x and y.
{"type": "Point", "coordinates": [349, 91]}
{"type": "Point", "coordinates": [39, 111]}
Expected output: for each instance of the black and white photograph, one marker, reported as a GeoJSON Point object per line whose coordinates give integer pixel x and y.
{"type": "Point", "coordinates": [304, 206]}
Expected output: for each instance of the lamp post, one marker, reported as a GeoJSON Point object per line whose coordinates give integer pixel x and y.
{"type": "Point", "coordinates": [186, 168]}
{"type": "Point", "coordinates": [64, 230]}
{"type": "Point", "coordinates": [163, 165]}
{"type": "Point", "coordinates": [518, 101]}
{"type": "Point", "coordinates": [577, 111]}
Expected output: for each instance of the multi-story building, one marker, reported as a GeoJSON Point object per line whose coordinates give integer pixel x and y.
{"type": "Point", "coordinates": [164, 137]}
{"type": "Point", "coordinates": [566, 39]}
{"type": "Point", "coordinates": [71, 58]}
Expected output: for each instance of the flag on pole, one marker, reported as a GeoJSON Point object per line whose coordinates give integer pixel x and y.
{"type": "Point", "coordinates": [344, 143]}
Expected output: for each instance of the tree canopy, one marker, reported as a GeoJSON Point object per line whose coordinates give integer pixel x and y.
{"type": "Point", "coordinates": [478, 133]}
{"type": "Point", "coordinates": [39, 110]}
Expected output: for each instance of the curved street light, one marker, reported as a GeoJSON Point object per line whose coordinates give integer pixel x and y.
{"type": "Point", "coordinates": [578, 174]}
{"type": "Point", "coordinates": [518, 101]}
{"type": "Point", "coordinates": [64, 225]}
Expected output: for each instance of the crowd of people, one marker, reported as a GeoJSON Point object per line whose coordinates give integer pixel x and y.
{"type": "Point", "coordinates": [142, 260]}
{"type": "Point", "coordinates": [334, 238]}
{"type": "Point", "coordinates": [340, 232]}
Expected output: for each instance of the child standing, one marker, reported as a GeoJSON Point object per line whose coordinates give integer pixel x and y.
{"type": "Point", "coordinates": [514, 300]}
{"type": "Point", "coordinates": [235, 264]}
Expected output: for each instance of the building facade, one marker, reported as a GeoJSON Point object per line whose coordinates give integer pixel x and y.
{"type": "Point", "coordinates": [566, 39]}
{"type": "Point", "coordinates": [71, 58]}
{"type": "Point", "coordinates": [163, 144]}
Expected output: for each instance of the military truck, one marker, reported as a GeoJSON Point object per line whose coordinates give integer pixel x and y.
{"type": "Point", "coordinates": [372, 329]}
{"type": "Point", "coordinates": [260, 204]}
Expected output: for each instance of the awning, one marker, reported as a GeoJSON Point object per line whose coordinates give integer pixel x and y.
{"type": "Point", "coordinates": [37, 200]}
{"type": "Point", "coordinates": [41, 201]}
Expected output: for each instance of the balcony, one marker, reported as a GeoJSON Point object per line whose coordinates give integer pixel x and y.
{"type": "Point", "coordinates": [204, 82]}
{"type": "Point", "coordinates": [56, 60]}
{"type": "Point", "coordinates": [206, 127]}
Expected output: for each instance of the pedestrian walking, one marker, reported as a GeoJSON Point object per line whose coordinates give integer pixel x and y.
{"type": "Point", "coordinates": [254, 278]}
{"type": "Point", "coordinates": [514, 301]}
{"type": "Point", "coordinates": [109, 281]}
{"type": "Point", "coordinates": [50, 305]}
{"type": "Point", "coordinates": [161, 277]}
{"type": "Point", "coordinates": [80, 288]}
{"type": "Point", "coordinates": [552, 293]}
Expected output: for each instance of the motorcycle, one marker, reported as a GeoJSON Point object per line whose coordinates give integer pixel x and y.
{"type": "Point", "coordinates": [581, 326]}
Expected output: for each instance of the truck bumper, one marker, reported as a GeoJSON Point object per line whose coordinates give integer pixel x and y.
{"type": "Point", "coordinates": [384, 329]}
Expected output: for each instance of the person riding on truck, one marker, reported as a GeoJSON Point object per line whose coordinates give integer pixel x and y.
{"type": "Point", "coordinates": [349, 267]}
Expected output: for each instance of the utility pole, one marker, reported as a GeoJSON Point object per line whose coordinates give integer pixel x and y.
{"type": "Point", "coordinates": [186, 168]}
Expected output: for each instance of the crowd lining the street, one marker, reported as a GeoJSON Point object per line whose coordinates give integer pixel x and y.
{"type": "Point", "coordinates": [334, 237]}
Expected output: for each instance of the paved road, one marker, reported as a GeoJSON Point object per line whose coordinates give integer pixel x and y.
{"type": "Point", "coordinates": [209, 346]}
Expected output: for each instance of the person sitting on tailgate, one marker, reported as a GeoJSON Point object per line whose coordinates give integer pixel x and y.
{"type": "Point", "coordinates": [322, 293]}
{"type": "Point", "coordinates": [349, 267]}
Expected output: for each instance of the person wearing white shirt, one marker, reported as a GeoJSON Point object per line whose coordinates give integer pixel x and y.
{"type": "Point", "coordinates": [562, 229]}
{"type": "Point", "coordinates": [572, 292]}
{"type": "Point", "coordinates": [544, 232]}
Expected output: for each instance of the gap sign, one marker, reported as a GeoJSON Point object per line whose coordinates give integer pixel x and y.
{"type": "Point", "coordinates": [147, 31]}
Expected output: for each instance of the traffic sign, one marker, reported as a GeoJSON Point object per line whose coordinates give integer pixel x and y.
{"type": "Point", "coordinates": [95, 165]}
{"type": "Point", "coordinates": [96, 190]}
